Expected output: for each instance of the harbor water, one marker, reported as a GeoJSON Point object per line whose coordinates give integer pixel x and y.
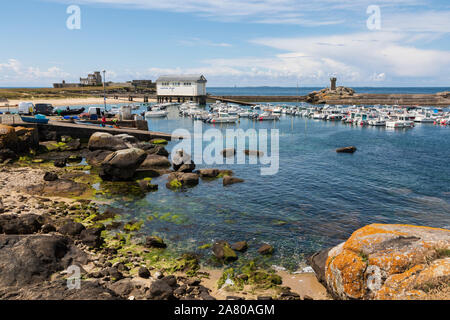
{"type": "Point", "coordinates": [317, 198]}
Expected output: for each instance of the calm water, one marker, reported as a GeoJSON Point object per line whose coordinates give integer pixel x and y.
{"type": "Point", "coordinates": [318, 198]}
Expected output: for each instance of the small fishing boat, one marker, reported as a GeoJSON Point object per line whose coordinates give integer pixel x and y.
{"type": "Point", "coordinates": [68, 111]}
{"type": "Point", "coordinates": [156, 112]}
{"type": "Point", "coordinates": [223, 117]}
{"type": "Point", "coordinates": [35, 119]}
{"type": "Point", "coordinates": [267, 116]}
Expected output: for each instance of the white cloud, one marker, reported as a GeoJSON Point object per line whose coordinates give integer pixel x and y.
{"type": "Point", "coordinates": [13, 71]}
{"type": "Point", "coordinates": [202, 42]}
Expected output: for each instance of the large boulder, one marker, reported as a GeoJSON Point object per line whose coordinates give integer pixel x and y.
{"type": "Point", "coordinates": [154, 161]}
{"type": "Point", "coordinates": [388, 261]}
{"type": "Point", "coordinates": [187, 179]}
{"type": "Point", "coordinates": [223, 251]}
{"type": "Point", "coordinates": [20, 224]}
{"type": "Point", "coordinates": [29, 259]}
{"type": "Point", "coordinates": [227, 180]}
{"type": "Point", "coordinates": [106, 141]}
{"type": "Point", "coordinates": [95, 158]}
{"type": "Point", "coordinates": [121, 165]}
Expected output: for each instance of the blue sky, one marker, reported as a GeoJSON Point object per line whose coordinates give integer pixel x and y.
{"type": "Point", "coordinates": [231, 42]}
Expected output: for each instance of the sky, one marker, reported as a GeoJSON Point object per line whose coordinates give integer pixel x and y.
{"type": "Point", "coordinates": [378, 43]}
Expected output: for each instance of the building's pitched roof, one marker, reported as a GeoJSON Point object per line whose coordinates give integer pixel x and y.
{"type": "Point", "coordinates": [181, 77]}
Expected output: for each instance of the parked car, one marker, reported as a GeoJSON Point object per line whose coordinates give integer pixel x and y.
{"type": "Point", "coordinates": [43, 108]}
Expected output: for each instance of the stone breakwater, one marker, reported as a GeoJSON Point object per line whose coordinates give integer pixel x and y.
{"type": "Point", "coordinates": [348, 96]}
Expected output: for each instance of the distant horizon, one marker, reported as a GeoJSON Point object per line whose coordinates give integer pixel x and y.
{"type": "Point", "coordinates": [262, 86]}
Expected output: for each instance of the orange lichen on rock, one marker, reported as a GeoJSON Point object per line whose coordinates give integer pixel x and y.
{"type": "Point", "coordinates": [388, 262]}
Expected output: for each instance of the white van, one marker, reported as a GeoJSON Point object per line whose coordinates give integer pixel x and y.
{"type": "Point", "coordinates": [26, 108]}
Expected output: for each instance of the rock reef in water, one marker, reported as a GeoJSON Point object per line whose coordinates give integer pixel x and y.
{"type": "Point", "coordinates": [388, 261]}
{"type": "Point", "coordinates": [320, 97]}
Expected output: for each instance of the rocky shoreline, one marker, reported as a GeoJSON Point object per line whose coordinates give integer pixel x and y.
{"type": "Point", "coordinates": [56, 217]}
{"type": "Point", "coordinates": [53, 218]}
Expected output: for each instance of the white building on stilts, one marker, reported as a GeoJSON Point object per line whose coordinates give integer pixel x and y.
{"type": "Point", "coordinates": [181, 88]}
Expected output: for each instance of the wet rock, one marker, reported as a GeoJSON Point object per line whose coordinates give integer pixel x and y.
{"type": "Point", "coordinates": [95, 158]}
{"type": "Point", "coordinates": [143, 272]}
{"type": "Point", "coordinates": [240, 246]}
{"type": "Point", "coordinates": [154, 242]}
{"type": "Point", "coordinates": [71, 228]}
{"type": "Point", "coordinates": [256, 153]}
{"type": "Point", "coordinates": [154, 161]}
{"type": "Point", "coordinates": [223, 251]}
{"type": "Point", "coordinates": [146, 185]}
{"type": "Point", "coordinates": [106, 141]}
{"type": "Point", "coordinates": [187, 167]}
{"type": "Point", "coordinates": [20, 224]}
{"type": "Point", "coordinates": [28, 259]}
{"type": "Point", "coordinates": [208, 173]}
{"type": "Point", "coordinates": [265, 249]}
{"type": "Point", "coordinates": [227, 180]}
{"type": "Point", "coordinates": [388, 261]}
{"type": "Point", "coordinates": [230, 152]}
{"type": "Point", "coordinates": [50, 176]}
{"type": "Point", "coordinates": [121, 165]}
{"type": "Point", "coordinates": [60, 163]}
{"type": "Point", "coordinates": [186, 179]}
{"type": "Point", "coordinates": [72, 145]}
{"type": "Point", "coordinates": [346, 149]}
{"type": "Point", "coordinates": [92, 237]}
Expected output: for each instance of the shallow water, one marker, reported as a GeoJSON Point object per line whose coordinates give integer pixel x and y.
{"type": "Point", "coordinates": [318, 197]}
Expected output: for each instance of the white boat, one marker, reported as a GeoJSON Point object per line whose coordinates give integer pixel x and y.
{"type": "Point", "coordinates": [223, 117]}
{"type": "Point", "coordinates": [245, 114]}
{"type": "Point", "coordinates": [399, 122]}
{"type": "Point", "coordinates": [156, 113]}
{"type": "Point", "coordinates": [267, 116]}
